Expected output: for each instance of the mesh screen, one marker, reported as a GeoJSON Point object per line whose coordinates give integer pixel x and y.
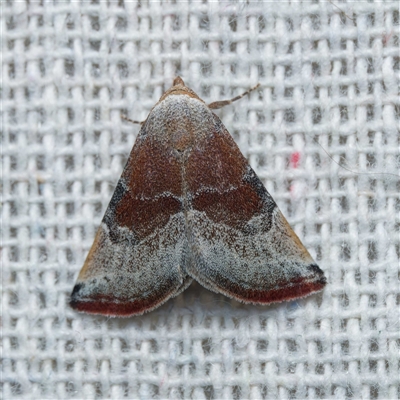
{"type": "Point", "coordinates": [322, 132]}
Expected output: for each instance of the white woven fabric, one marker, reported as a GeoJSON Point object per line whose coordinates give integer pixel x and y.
{"type": "Point", "coordinates": [322, 132]}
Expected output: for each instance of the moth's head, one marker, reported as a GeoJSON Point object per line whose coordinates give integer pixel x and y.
{"type": "Point", "coordinates": [179, 88]}
{"type": "Point", "coordinates": [178, 81]}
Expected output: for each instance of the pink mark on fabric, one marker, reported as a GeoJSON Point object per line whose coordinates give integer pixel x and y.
{"type": "Point", "coordinates": [295, 159]}
{"type": "Point", "coordinates": [387, 37]}
{"type": "Point", "coordinates": [294, 162]}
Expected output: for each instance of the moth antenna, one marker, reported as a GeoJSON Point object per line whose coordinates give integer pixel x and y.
{"type": "Point", "coordinates": [222, 103]}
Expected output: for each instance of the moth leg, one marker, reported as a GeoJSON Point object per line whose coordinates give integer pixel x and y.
{"type": "Point", "coordinates": [132, 120]}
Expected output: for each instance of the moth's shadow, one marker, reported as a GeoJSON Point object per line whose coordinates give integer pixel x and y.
{"type": "Point", "coordinates": [195, 306]}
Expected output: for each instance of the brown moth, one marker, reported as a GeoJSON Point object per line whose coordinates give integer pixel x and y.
{"type": "Point", "coordinates": [189, 206]}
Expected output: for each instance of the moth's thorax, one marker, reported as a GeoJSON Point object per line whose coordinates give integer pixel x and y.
{"type": "Point", "coordinates": [180, 121]}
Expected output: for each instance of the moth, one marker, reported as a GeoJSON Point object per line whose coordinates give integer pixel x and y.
{"type": "Point", "coordinates": [189, 206]}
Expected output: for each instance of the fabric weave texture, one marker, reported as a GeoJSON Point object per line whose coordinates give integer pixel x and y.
{"type": "Point", "coordinates": [322, 132]}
